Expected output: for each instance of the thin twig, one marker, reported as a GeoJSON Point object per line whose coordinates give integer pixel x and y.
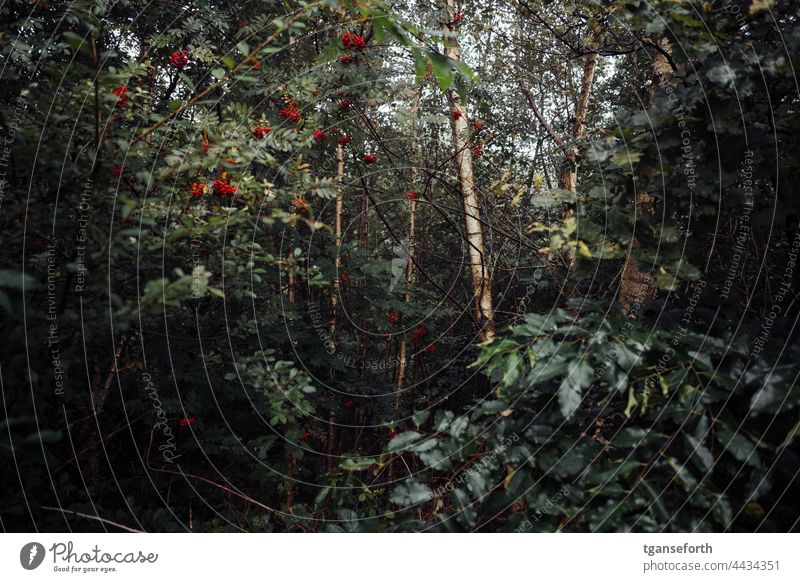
{"type": "Point", "coordinates": [93, 517]}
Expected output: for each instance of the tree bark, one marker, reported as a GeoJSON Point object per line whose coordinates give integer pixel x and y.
{"type": "Point", "coordinates": [569, 173]}
{"type": "Point", "coordinates": [403, 355]}
{"type": "Point", "coordinates": [338, 235]}
{"type": "Point", "coordinates": [635, 285]}
{"type": "Point", "coordinates": [478, 263]}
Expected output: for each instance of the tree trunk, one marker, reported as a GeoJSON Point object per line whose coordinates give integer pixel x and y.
{"type": "Point", "coordinates": [403, 356]}
{"type": "Point", "coordinates": [568, 180]}
{"type": "Point", "coordinates": [331, 432]}
{"type": "Point", "coordinates": [338, 234]}
{"type": "Point", "coordinates": [635, 285]}
{"type": "Point", "coordinates": [478, 263]}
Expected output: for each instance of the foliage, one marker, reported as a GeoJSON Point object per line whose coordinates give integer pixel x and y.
{"type": "Point", "coordinates": [189, 347]}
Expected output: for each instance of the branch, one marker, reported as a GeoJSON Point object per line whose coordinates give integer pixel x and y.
{"type": "Point", "coordinates": [214, 86]}
{"type": "Point", "coordinates": [550, 131]}
{"type": "Point", "coordinates": [93, 517]}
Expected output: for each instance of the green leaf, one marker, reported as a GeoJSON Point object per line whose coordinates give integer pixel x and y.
{"type": "Point", "coordinates": [357, 464]}
{"type": "Point", "coordinates": [442, 70]}
{"type": "Point", "coordinates": [419, 418]}
{"type": "Point", "coordinates": [571, 389]}
{"type": "Point", "coordinates": [411, 493]}
{"type": "Point", "coordinates": [701, 454]}
{"type": "Point", "coordinates": [738, 445]}
{"type": "Point", "coordinates": [403, 440]}
{"type": "Point", "coordinates": [330, 53]}
{"type": "Point", "coordinates": [420, 64]}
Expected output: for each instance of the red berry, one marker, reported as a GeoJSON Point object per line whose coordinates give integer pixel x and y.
{"type": "Point", "coordinates": [411, 195]}
{"type": "Point", "coordinates": [122, 96]}
{"type": "Point", "coordinates": [261, 131]}
{"type": "Point", "coordinates": [299, 204]}
{"type": "Point", "coordinates": [291, 111]}
{"type": "Point", "coordinates": [456, 114]}
{"type": "Point", "coordinates": [319, 135]}
{"type": "Point", "coordinates": [349, 404]}
{"type": "Point", "coordinates": [353, 41]}
{"type": "Point", "coordinates": [223, 188]}
{"type": "Point", "coordinates": [179, 59]}
{"type": "Point", "coordinates": [370, 159]}
{"type": "Point", "coordinates": [391, 434]}
{"type": "Point", "coordinates": [305, 436]}
{"type": "Point", "coordinates": [431, 348]}
{"type": "Point", "coordinates": [345, 140]}
{"type": "Point", "coordinates": [198, 189]}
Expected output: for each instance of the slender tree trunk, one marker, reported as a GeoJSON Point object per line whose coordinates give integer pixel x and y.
{"type": "Point", "coordinates": [635, 285]}
{"type": "Point", "coordinates": [289, 455]}
{"type": "Point", "coordinates": [331, 430]}
{"type": "Point", "coordinates": [291, 288]}
{"type": "Point", "coordinates": [338, 234]}
{"type": "Point", "coordinates": [478, 260]}
{"type": "Point", "coordinates": [568, 180]}
{"type": "Point", "coordinates": [403, 356]}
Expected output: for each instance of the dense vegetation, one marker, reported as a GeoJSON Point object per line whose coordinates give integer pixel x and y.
{"type": "Point", "coordinates": [527, 265]}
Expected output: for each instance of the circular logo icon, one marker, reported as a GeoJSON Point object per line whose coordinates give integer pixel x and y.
{"type": "Point", "coordinates": [31, 555]}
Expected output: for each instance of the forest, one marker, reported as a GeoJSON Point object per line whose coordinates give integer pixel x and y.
{"type": "Point", "coordinates": [378, 266]}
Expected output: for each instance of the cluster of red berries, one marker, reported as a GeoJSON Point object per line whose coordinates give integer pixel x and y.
{"type": "Point", "coordinates": [198, 189]}
{"type": "Point", "coordinates": [291, 111]}
{"type": "Point", "coordinates": [411, 195]}
{"type": "Point", "coordinates": [122, 96]}
{"type": "Point", "coordinates": [179, 59]}
{"type": "Point", "coordinates": [477, 151]}
{"type": "Point", "coordinates": [344, 140]}
{"type": "Point", "coordinates": [319, 135]}
{"type": "Point", "coordinates": [431, 348]}
{"type": "Point", "coordinates": [223, 188]}
{"type": "Point", "coordinates": [345, 104]}
{"type": "Point", "coordinates": [370, 159]}
{"type": "Point", "coordinates": [349, 404]}
{"type": "Point", "coordinates": [478, 125]}
{"type": "Point", "coordinates": [261, 131]}
{"type": "Point", "coordinates": [456, 114]}
{"type": "Point", "coordinates": [305, 436]}
{"type": "Point", "coordinates": [346, 59]}
{"type": "Point", "coordinates": [353, 41]}
{"type": "Point", "coordinates": [299, 204]}
{"type": "Point", "coordinates": [184, 422]}
{"type": "Point", "coordinates": [391, 434]}
{"type": "Point", "coordinates": [117, 171]}
{"type": "Point", "coordinates": [393, 316]}
{"type": "Point", "coordinates": [344, 277]}
{"type": "Point", "coordinates": [418, 334]}
{"type": "Point", "coordinates": [458, 17]}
